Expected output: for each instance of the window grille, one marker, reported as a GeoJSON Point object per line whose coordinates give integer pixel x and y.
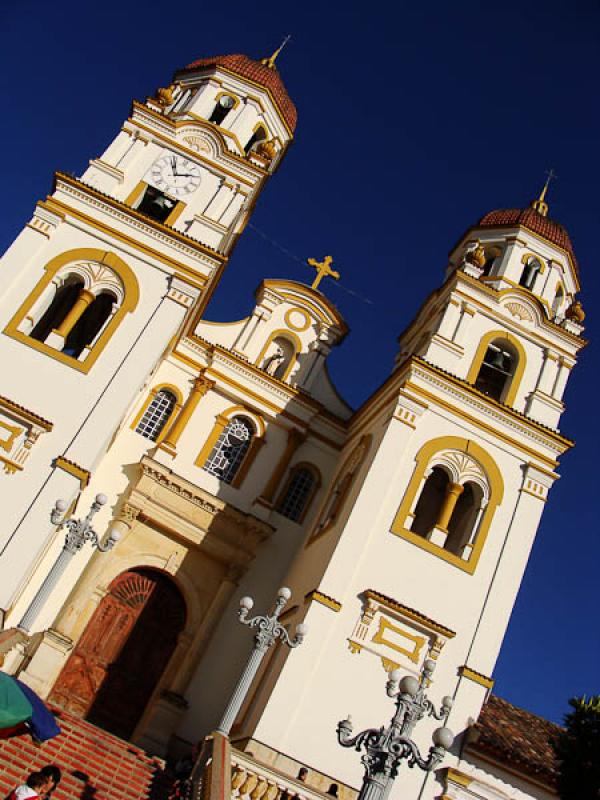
{"type": "Point", "coordinates": [297, 495]}
{"type": "Point", "coordinates": [156, 415]}
{"type": "Point", "coordinates": [229, 451]}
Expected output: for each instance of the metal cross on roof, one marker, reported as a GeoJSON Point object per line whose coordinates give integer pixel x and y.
{"type": "Point", "coordinates": [323, 270]}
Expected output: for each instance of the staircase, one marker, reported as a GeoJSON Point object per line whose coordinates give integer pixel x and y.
{"type": "Point", "coordinates": [96, 765]}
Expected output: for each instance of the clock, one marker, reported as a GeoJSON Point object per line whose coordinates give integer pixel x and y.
{"type": "Point", "coordinates": [174, 175]}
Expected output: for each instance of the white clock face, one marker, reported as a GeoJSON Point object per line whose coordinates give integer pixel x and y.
{"type": "Point", "coordinates": [175, 175]}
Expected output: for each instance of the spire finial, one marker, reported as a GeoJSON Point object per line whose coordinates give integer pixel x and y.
{"type": "Point", "coordinates": [270, 61]}
{"type": "Point", "coordinates": [540, 205]}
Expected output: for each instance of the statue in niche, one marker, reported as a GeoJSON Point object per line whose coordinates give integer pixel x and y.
{"type": "Point", "coordinates": [272, 364]}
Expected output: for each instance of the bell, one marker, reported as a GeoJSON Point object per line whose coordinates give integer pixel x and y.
{"type": "Point", "coordinates": [160, 204]}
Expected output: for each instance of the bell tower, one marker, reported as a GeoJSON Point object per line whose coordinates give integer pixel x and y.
{"type": "Point", "coordinates": [425, 529]}
{"type": "Point", "coordinates": [113, 267]}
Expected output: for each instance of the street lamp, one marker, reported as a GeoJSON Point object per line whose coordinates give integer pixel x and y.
{"type": "Point", "coordinates": [269, 630]}
{"type": "Point", "coordinates": [79, 531]}
{"type": "Point", "coordinates": [386, 748]}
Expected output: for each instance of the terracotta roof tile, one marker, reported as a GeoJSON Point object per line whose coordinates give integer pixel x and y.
{"type": "Point", "coordinates": [518, 738]}
{"type": "Point", "coordinates": [253, 70]}
{"type": "Point", "coordinates": [531, 219]}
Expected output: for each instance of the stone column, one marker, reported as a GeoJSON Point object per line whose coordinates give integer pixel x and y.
{"type": "Point", "coordinates": [461, 329]}
{"type": "Point", "coordinates": [200, 387]}
{"type": "Point", "coordinates": [295, 439]}
{"type": "Point", "coordinates": [561, 380]}
{"type": "Point", "coordinates": [548, 372]}
{"type": "Point", "coordinates": [440, 529]}
{"type": "Point", "coordinates": [58, 335]}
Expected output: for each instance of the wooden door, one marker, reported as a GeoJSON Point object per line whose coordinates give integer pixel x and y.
{"type": "Point", "coordinates": [120, 657]}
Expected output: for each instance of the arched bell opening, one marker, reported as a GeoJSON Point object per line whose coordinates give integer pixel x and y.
{"type": "Point", "coordinates": [62, 302]}
{"type": "Point", "coordinates": [430, 502]}
{"type": "Point", "coordinates": [123, 652]}
{"type": "Point", "coordinates": [497, 370]}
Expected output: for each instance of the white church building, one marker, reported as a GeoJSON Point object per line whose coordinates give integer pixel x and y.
{"type": "Point", "coordinates": [231, 466]}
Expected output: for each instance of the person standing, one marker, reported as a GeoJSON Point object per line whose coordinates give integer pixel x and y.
{"type": "Point", "coordinates": [35, 787]}
{"type": "Point", "coordinates": [53, 774]}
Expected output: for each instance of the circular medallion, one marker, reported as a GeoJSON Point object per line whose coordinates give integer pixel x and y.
{"type": "Point", "coordinates": [297, 319]}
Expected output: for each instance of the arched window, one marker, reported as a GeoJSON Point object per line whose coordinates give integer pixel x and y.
{"type": "Point", "coordinates": [450, 500]}
{"type": "Point", "coordinates": [222, 108]}
{"type": "Point", "coordinates": [530, 272]}
{"type": "Point", "coordinates": [227, 455]}
{"type": "Point", "coordinates": [496, 370]}
{"type": "Point", "coordinates": [296, 496]}
{"type": "Point", "coordinates": [258, 136]}
{"type": "Point", "coordinates": [89, 325]}
{"type": "Point", "coordinates": [278, 357]}
{"type": "Point", "coordinates": [559, 298]}
{"type": "Point", "coordinates": [157, 414]}
{"type": "Point", "coordinates": [63, 301]}
{"type": "Point", "coordinates": [77, 305]}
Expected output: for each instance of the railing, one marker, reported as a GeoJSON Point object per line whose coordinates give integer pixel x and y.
{"type": "Point", "coordinates": [252, 781]}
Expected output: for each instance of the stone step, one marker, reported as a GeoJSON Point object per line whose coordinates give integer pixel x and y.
{"type": "Point", "coordinates": [96, 765]}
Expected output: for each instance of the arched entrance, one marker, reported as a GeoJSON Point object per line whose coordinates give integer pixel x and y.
{"type": "Point", "coordinates": [120, 657]}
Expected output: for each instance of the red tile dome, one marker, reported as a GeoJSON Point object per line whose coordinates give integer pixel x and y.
{"type": "Point", "coordinates": [531, 219]}
{"type": "Point", "coordinates": [255, 71]}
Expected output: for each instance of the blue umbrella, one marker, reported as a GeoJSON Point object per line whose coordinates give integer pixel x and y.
{"type": "Point", "coordinates": [23, 706]}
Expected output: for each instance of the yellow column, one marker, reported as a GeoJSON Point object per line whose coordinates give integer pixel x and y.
{"type": "Point", "coordinates": [295, 439]}
{"type": "Point", "coordinates": [84, 299]}
{"type": "Point", "coordinates": [453, 492]}
{"type": "Point", "coordinates": [201, 386]}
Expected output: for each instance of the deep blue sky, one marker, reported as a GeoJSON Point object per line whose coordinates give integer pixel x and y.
{"type": "Point", "coordinates": [413, 122]}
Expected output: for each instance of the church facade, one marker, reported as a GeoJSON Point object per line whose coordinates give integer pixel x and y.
{"type": "Point", "coordinates": [227, 464]}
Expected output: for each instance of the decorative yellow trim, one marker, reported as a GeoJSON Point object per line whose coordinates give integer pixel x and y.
{"type": "Point", "coordinates": [151, 395]}
{"type": "Point", "coordinates": [135, 193]}
{"type": "Point", "coordinates": [197, 121]}
{"type": "Point", "coordinates": [354, 647]}
{"type": "Point", "coordinates": [528, 254]}
{"type": "Point", "coordinates": [282, 333]}
{"type": "Point", "coordinates": [13, 432]}
{"type": "Point", "coordinates": [422, 460]}
{"type": "Point", "coordinates": [111, 201]}
{"type": "Point", "coordinates": [315, 488]}
{"type": "Point", "coordinates": [324, 599]}
{"type": "Point", "coordinates": [409, 613]}
{"type": "Point", "coordinates": [486, 340]}
{"type": "Point", "coordinates": [476, 677]}
{"type": "Point", "coordinates": [236, 100]}
{"type": "Point", "coordinates": [322, 308]}
{"type": "Point", "coordinates": [457, 777]}
{"type": "Point", "coordinates": [175, 213]}
{"type": "Point", "coordinates": [267, 91]}
{"type": "Point", "coordinates": [83, 475]}
{"type": "Point", "coordinates": [494, 430]}
{"type": "Point", "coordinates": [296, 310]}
{"type": "Point", "coordinates": [418, 641]}
{"type": "Point", "coordinates": [130, 301]}
{"type": "Point", "coordinates": [25, 414]}
{"type": "Point", "coordinates": [10, 466]}
{"type": "Point", "coordinates": [186, 274]}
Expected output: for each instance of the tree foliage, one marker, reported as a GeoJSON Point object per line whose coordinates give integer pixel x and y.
{"type": "Point", "coordinates": [578, 751]}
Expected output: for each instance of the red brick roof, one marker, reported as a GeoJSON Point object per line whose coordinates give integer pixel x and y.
{"type": "Point", "coordinates": [534, 221]}
{"type": "Point", "coordinates": [253, 70]}
{"type": "Point", "coordinates": [517, 738]}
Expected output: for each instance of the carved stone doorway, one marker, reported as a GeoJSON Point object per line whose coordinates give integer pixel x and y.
{"type": "Point", "coordinates": [122, 654]}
